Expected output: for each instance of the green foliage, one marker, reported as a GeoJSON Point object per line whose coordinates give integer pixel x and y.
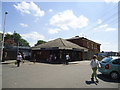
{"type": "Point", "coordinates": [8, 36]}
{"type": "Point", "coordinates": [18, 39]}
{"type": "Point", "coordinates": [40, 42]}
{"type": "Point", "coordinates": [23, 42]}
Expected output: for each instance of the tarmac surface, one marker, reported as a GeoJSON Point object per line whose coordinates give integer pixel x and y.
{"type": "Point", "coordinates": [43, 75]}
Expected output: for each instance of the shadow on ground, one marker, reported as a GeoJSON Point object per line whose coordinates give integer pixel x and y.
{"type": "Point", "coordinates": [45, 62]}
{"type": "Point", "coordinates": [107, 78]}
{"type": "Point", "coordinates": [90, 82]}
{"type": "Point", "coordinates": [56, 62]}
{"type": "Point", "coordinates": [5, 63]}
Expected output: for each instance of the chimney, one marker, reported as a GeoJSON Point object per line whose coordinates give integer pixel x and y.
{"type": "Point", "coordinates": [76, 36]}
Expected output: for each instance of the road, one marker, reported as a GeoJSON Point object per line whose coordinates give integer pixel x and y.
{"type": "Point", "coordinates": [41, 75]}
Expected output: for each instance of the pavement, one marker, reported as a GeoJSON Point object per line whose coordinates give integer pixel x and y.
{"type": "Point", "coordinates": [13, 61]}
{"type": "Point", "coordinates": [42, 75]}
{"type": "Point", "coordinates": [10, 61]}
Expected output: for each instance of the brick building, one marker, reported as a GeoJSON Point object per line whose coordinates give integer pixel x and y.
{"type": "Point", "coordinates": [59, 48]}
{"type": "Point", "coordinates": [93, 47]}
{"type": "Point", "coordinates": [11, 49]}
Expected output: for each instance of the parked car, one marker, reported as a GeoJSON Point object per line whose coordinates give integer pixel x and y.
{"type": "Point", "coordinates": [110, 66]}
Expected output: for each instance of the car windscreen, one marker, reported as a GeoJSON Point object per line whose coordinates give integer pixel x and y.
{"type": "Point", "coordinates": [105, 60]}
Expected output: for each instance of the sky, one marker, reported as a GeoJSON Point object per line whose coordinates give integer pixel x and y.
{"type": "Point", "coordinates": [96, 21]}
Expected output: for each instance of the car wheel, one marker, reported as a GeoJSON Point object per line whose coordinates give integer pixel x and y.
{"type": "Point", "coordinates": [114, 75]}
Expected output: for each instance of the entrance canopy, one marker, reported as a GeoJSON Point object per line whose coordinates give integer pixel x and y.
{"type": "Point", "coordinates": [61, 44]}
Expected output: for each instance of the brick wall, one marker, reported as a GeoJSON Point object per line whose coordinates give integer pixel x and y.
{"type": "Point", "coordinates": [90, 45]}
{"type": "Point", "coordinates": [93, 47]}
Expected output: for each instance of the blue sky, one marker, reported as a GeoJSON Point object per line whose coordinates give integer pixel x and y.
{"type": "Point", "coordinates": [97, 21]}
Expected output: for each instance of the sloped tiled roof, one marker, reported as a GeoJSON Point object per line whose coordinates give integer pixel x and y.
{"type": "Point", "coordinates": [77, 37]}
{"type": "Point", "coordinates": [60, 44]}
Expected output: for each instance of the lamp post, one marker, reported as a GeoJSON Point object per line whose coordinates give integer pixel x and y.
{"type": "Point", "coordinates": [2, 42]}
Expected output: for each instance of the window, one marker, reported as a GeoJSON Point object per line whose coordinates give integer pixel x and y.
{"type": "Point", "coordinates": [105, 60]}
{"type": "Point", "coordinates": [88, 44]}
{"type": "Point", "coordinates": [92, 45]}
{"type": "Point", "coordinates": [95, 46]}
{"type": "Point", "coordinates": [117, 61]}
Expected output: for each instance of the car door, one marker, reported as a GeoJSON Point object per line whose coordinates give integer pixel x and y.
{"type": "Point", "coordinates": [116, 65]}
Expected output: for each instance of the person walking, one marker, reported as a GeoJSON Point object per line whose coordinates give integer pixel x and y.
{"type": "Point", "coordinates": [34, 58]}
{"type": "Point", "coordinates": [67, 59]}
{"type": "Point", "coordinates": [23, 58]}
{"type": "Point", "coordinates": [19, 58]}
{"type": "Point", "coordinates": [94, 65]}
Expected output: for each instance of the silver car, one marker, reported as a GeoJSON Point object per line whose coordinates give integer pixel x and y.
{"type": "Point", "coordinates": [110, 66]}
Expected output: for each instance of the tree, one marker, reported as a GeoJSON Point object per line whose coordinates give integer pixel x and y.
{"type": "Point", "coordinates": [9, 40]}
{"type": "Point", "coordinates": [40, 42]}
{"type": "Point", "coordinates": [8, 36]}
{"type": "Point", "coordinates": [17, 39]}
{"type": "Point", "coordinates": [23, 42]}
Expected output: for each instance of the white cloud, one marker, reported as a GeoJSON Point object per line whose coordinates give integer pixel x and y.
{"type": "Point", "coordinates": [53, 31]}
{"type": "Point", "coordinates": [32, 43]}
{"type": "Point", "coordinates": [29, 8]}
{"type": "Point", "coordinates": [113, 1]}
{"type": "Point", "coordinates": [99, 21]}
{"type": "Point", "coordinates": [50, 39]}
{"type": "Point", "coordinates": [23, 25]}
{"type": "Point", "coordinates": [103, 26]}
{"type": "Point", "coordinates": [6, 32]}
{"type": "Point", "coordinates": [50, 10]}
{"type": "Point", "coordinates": [64, 27]}
{"type": "Point", "coordinates": [10, 33]}
{"type": "Point", "coordinates": [33, 36]}
{"type": "Point", "coordinates": [82, 35]}
{"type": "Point", "coordinates": [107, 46]}
{"type": "Point", "coordinates": [36, 20]}
{"type": "Point", "coordinates": [95, 28]}
{"type": "Point", "coordinates": [66, 20]}
{"type": "Point", "coordinates": [110, 29]}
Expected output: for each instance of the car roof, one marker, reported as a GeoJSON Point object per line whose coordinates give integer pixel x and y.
{"type": "Point", "coordinates": [114, 57]}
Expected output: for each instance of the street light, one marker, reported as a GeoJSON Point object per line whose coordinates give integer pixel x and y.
{"type": "Point", "coordinates": [2, 42]}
